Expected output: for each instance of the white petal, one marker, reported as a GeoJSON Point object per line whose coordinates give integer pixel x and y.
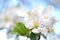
{"type": "Point", "coordinates": [34, 15]}
{"type": "Point", "coordinates": [44, 31]}
{"type": "Point", "coordinates": [36, 30]}
{"type": "Point", "coordinates": [48, 10]}
{"type": "Point", "coordinates": [18, 18]}
{"type": "Point", "coordinates": [9, 25]}
{"type": "Point", "coordinates": [53, 20]}
{"type": "Point", "coordinates": [36, 9]}
{"type": "Point", "coordinates": [21, 13]}
{"type": "Point", "coordinates": [28, 23]}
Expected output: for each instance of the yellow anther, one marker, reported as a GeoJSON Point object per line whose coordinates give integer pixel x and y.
{"type": "Point", "coordinates": [36, 24]}
{"type": "Point", "coordinates": [7, 18]}
{"type": "Point", "coordinates": [50, 30]}
{"type": "Point", "coordinates": [29, 13]}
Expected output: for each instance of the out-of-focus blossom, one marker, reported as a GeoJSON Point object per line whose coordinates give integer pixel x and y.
{"type": "Point", "coordinates": [11, 16]}
{"type": "Point", "coordinates": [15, 15]}
{"type": "Point", "coordinates": [1, 21]}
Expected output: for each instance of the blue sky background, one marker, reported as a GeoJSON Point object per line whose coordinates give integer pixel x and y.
{"type": "Point", "coordinates": [28, 6]}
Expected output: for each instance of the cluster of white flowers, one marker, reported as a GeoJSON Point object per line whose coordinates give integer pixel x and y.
{"type": "Point", "coordinates": [42, 22]}
{"type": "Point", "coordinates": [38, 22]}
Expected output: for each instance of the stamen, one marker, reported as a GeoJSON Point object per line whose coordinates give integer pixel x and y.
{"type": "Point", "coordinates": [36, 24]}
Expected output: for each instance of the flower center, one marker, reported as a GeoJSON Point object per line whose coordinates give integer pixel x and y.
{"type": "Point", "coordinates": [28, 13]}
{"type": "Point", "coordinates": [7, 18]}
{"type": "Point", "coordinates": [36, 24]}
{"type": "Point", "coordinates": [50, 30]}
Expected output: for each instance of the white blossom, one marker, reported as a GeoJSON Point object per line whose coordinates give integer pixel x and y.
{"type": "Point", "coordinates": [9, 19]}
{"type": "Point", "coordinates": [38, 20]}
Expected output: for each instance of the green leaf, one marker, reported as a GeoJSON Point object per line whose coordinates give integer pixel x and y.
{"type": "Point", "coordinates": [20, 29]}
{"type": "Point", "coordinates": [34, 36]}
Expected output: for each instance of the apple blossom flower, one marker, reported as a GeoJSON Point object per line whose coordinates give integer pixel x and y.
{"type": "Point", "coordinates": [12, 16]}
{"type": "Point", "coordinates": [41, 22]}
{"type": "Point", "coordinates": [9, 19]}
